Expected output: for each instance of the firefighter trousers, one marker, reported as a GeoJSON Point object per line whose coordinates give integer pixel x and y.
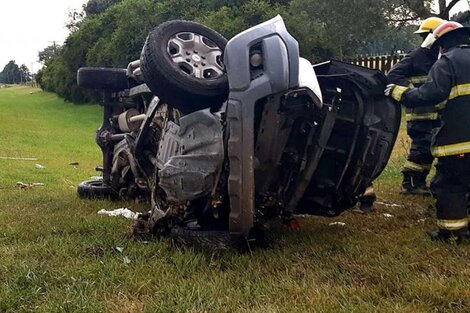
{"type": "Point", "coordinates": [420, 159]}
{"type": "Point", "coordinates": [451, 186]}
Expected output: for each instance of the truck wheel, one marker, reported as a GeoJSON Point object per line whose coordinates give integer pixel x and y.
{"type": "Point", "coordinates": [181, 62]}
{"type": "Point", "coordinates": [95, 189]}
{"type": "Point", "coordinates": [102, 78]}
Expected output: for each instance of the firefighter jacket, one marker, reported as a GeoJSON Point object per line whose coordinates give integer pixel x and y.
{"type": "Point", "coordinates": [413, 70]}
{"type": "Point", "coordinates": [448, 85]}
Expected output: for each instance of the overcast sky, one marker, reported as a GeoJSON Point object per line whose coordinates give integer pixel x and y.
{"type": "Point", "coordinates": [28, 26]}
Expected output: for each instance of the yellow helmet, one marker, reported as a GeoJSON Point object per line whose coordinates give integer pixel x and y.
{"type": "Point", "coordinates": [429, 24]}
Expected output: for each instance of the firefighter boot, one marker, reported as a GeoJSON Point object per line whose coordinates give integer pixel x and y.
{"type": "Point", "coordinates": [447, 236]}
{"type": "Point", "coordinates": [414, 183]}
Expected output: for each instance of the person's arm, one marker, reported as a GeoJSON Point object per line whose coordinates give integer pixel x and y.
{"type": "Point", "coordinates": [436, 88]}
{"type": "Point", "coordinates": [402, 71]}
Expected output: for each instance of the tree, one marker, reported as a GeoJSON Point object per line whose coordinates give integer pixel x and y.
{"type": "Point", "coordinates": [404, 11]}
{"type": "Point", "coordinates": [76, 17]}
{"type": "Point", "coordinates": [336, 28]}
{"type": "Point", "coordinates": [49, 53]}
{"type": "Point", "coordinates": [444, 8]}
{"type": "Point", "coordinates": [25, 74]}
{"type": "Point", "coordinates": [11, 73]}
{"type": "Point", "coordinates": [462, 17]}
{"type": "Point", "coordinates": [93, 7]}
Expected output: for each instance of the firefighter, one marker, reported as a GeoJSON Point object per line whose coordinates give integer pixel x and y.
{"type": "Point", "coordinates": [448, 84]}
{"type": "Point", "coordinates": [413, 70]}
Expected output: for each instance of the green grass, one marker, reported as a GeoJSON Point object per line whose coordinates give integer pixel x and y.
{"type": "Point", "coordinates": [58, 255]}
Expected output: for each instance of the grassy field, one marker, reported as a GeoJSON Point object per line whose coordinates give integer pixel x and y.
{"type": "Point", "coordinates": [58, 255]}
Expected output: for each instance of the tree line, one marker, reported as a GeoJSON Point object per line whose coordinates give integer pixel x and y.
{"type": "Point", "coordinates": [112, 32]}
{"type": "Point", "coordinates": [14, 74]}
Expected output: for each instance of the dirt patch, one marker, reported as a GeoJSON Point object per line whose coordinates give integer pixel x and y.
{"type": "Point", "coordinates": [122, 303]}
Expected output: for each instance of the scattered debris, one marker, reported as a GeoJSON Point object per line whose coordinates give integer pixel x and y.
{"type": "Point", "coordinates": [337, 224]}
{"type": "Point", "coordinates": [22, 185]}
{"type": "Point", "coordinates": [393, 205]}
{"type": "Point", "coordinates": [39, 166]}
{"type": "Point", "coordinates": [120, 249]}
{"type": "Point", "coordinates": [387, 215]}
{"type": "Point", "coordinates": [120, 212]}
{"type": "Point", "coordinates": [291, 223]}
{"type": "Point", "coordinates": [422, 220]}
{"type": "Point", "coordinates": [96, 177]}
{"type": "Point", "coordinates": [74, 163]}
{"type": "Point", "coordinates": [126, 260]}
{"type": "Point", "coordinates": [20, 159]}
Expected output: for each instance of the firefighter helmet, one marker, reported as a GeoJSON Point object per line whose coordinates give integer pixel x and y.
{"type": "Point", "coordinates": [429, 24]}
{"type": "Point", "coordinates": [445, 28]}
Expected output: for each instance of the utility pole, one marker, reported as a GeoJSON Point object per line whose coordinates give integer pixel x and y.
{"type": "Point", "coordinates": [32, 74]}
{"type": "Point", "coordinates": [54, 45]}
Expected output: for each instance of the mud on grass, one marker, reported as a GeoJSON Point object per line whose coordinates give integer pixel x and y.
{"type": "Point", "coordinates": [58, 255]}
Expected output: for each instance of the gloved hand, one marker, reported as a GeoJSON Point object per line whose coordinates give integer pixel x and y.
{"type": "Point", "coordinates": [395, 91]}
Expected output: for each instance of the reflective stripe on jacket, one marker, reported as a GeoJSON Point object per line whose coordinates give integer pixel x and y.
{"type": "Point", "coordinates": [448, 82]}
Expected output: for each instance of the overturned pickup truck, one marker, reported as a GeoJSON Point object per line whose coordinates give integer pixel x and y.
{"type": "Point", "coordinates": [221, 137]}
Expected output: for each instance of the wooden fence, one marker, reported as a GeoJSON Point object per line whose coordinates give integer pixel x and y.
{"type": "Point", "coordinates": [382, 62]}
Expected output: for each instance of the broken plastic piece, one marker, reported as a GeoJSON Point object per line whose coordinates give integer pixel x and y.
{"type": "Point", "coordinates": [22, 185]}
{"type": "Point", "coordinates": [120, 212]}
{"type": "Point", "coordinates": [392, 205]}
{"type": "Point", "coordinates": [19, 159]}
{"type": "Point", "coordinates": [292, 224]}
{"type": "Point", "coordinates": [337, 224]}
{"type": "Point", "coordinates": [387, 215]}
{"type": "Point", "coordinates": [39, 166]}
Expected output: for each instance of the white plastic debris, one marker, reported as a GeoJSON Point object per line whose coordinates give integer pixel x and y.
{"type": "Point", "coordinates": [39, 166]}
{"type": "Point", "coordinates": [337, 224]}
{"type": "Point", "coordinates": [120, 249]}
{"type": "Point", "coordinates": [20, 159]}
{"type": "Point", "coordinates": [120, 212]}
{"type": "Point", "coordinates": [392, 205]}
{"type": "Point", "coordinates": [126, 260]}
{"type": "Point", "coordinates": [22, 185]}
{"type": "Point", "coordinates": [96, 177]}
{"type": "Point", "coordinates": [387, 215]}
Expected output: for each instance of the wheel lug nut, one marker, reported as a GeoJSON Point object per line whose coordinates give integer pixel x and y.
{"type": "Point", "coordinates": [203, 64]}
{"type": "Point", "coordinates": [203, 57]}
{"type": "Point", "coordinates": [195, 51]}
{"type": "Point", "coordinates": [188, 60]}
{"type": "Point", "coordinates": [188, 53]}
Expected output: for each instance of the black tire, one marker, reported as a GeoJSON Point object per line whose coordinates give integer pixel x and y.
{"type": "Point", "coordinates": [102, 78]}
{"type": "Point", "coordinates": [95, 189]}
{"type": "Point", "coordinates": [169, 82]}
